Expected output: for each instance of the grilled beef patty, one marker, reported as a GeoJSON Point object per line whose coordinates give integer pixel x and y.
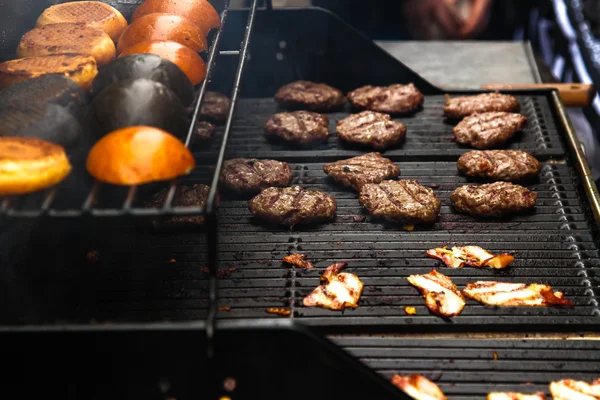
{"type": "Point", "coordinates": [493, 199]}
{"type": "Point", "coordinates": [393, 99]}
{"type": "Point", "coordinates": [460, 107]}
{"type": "Point", "coordinates": [488, 130]}
{"type": "Point", "coordinates": [401, 201]}
{"type": "Point", "coordinates": [371, 128]}
{"type": "Point", "coordinates": [215, 107]}
{"type": "Point", "coordinates": [310, 96]}
{"type": "Point", "coordinates": [292, 205]}
{"type": "Point", "coordinates": [356, 172]}
{"type": "Point", "coordinates": [185, 196]}
{"type": "Point", "coordinates": [250, 175]}
{"type": "Point", "coordinates": [498, 165]}
{"type": "Point", "coordinates": [300, 127]}
{"type": "Point", "coordinates": [203, 131]}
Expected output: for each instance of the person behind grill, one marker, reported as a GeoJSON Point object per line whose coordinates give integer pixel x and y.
{"type": "Point", "coordinates": [432, 19]}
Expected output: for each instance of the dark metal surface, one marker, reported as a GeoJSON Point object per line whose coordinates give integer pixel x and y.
{"type": "Point", "coordinates": [471, 368]}
{"type": "Point", "coordinates": [151, 277]}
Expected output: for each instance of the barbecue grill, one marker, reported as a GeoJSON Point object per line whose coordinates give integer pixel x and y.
{"type": "Point", "coordinates": [143, 297]}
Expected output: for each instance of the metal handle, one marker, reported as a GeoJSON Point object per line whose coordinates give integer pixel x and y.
{"type": "Point", "coordinates": [571, 94]}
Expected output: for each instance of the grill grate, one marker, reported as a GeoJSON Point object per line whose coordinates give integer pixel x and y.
{"type": "Point", "coordinates": [153, 276]}
{"type": "Point", "coordinates": [466, 369]}
{"type": "Point", "coordinates": [429, 135]}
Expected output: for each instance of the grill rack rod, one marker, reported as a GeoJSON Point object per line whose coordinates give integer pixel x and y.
{"type": "Point", "coordinates": [88, 208]}
{"type": "Point", "coordinates": [211, 217]}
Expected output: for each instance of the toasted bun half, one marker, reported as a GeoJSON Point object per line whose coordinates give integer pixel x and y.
{"type": "Point", "coordinates": [163, 27]}
{"type": "Point", "coordinates": [185, 58]}
{"type": "Point", "coordinates": [139, 154]}
{"type": "Point", "coordinates": [93, 13]}
{"type": "Point", "coordinates": [28, 165]}
{"type": "Point", "coordinates": [200, 12]}
{"type": "Point", "coordinates": [80, 68]}
{"type": "Point", "coordinates": [67, 37]}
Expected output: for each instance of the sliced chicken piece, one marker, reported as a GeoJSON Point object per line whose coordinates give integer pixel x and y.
{"type": "Point", "coordinates": [442, 296]}
{"type": "Point", "coordinates": [337, 290]}
{"type": "Point", "coordinates": [472, 256]}
{"type": "Point", "coordinates": [299, 260]}
{"type": "Point", "coordinates": [515, 396]}
{"type": "Point", "coordinates": [514, 294]}
{"type": "Point", "coordinates": [418, 387]}
{"type": "Point", "coordinates": [569, 389]}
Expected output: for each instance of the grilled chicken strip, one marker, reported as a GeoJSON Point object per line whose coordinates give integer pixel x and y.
{"type": "Point", "coordinates": [514, 294]}
{"type": "Point", "coordinates": [337, 290]}
{"type": "Point", "coordinates": [569, 389]}
{"type": "Point", "coordinates": [299, 260]}
{"type": "Point", "coordinates": [498, 165]}
{"type": "Point", "coordinates": [418, 387]}
{"type": "Point", "coordinates": [472, 256]}
{"type": "Point", "coordinates": [442, 297]}
{"type": "Point", "coordinates": [515, 396]}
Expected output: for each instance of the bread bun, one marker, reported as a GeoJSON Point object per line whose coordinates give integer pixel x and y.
{"type": "Point", "coordinates": [185, 58]}
{"type": "Point", "coordinates": [200, 12]}
{"type": "Point", "coordinates": [139, 154]}
{"type": "Point", "coordinates": [163, 27]}
{"type": "Point", "coordinates": [80, 68]}
{"type": "Point", "coordinates": [67, 38]}
{"type": "Point", "coordinates": [28, 165]}
{"type": "Point", "coordinates": [93, 13]}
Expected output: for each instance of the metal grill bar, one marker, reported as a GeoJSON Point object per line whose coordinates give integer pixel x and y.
{"type": "Point", "coordinates": [472, 368]}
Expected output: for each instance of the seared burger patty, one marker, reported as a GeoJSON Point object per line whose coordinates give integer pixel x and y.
{"type": "Point", "coordinates": [215, 107]}
{"type": "Point", "coordinates": [401, 201]}
{"type": "Point", "coordinates": [498, 165]}
{"type": "Point", "coordinates": [493, 199]}
{"type": "Point", "coordinates": [185, 196]}
{"type": "Point", "coordinates": [356, 172]}
{"type": "Point", "coordinates": [488, 130]}
{"type": "Point", "coordinates": [310, 96]}
{"type": "Point", "coordinates": [251, 175]}
{"type": "Point", "coordinates": [393, 99]}
{"type": "Point", "coordinates": [300, 127]}
{"type": "Point", "coordinates": [460, 107]}
{"type": "Point", "coordinates": [371, 128]}
{"type": "Point", "coordinates": [292, 205]}
{"type": "Point", "coordinates": [203, 131]}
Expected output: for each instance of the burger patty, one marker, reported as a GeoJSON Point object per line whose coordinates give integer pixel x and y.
{"type": "Point", "coordinates": [215, 107]}
{"type": "Point", "coordinates": [203, 131]}
{"type": "Point", "coordinates": [310, 96]}
{"type": "Point", "coordinates": [488, 130]}
{"type": "Point", "coordinates": [292, 205]}
{"type": "Point", "coordinates": [250, 175]}
{"type": "Point", "coordinates": [460, 107]}
{"type": "Point", "coordinates": [393, 99]}
{"type": "Point", "coordinates": [402, 201]}
{"type": "Point", "coordinates": [356, 172]}
{"type": "Point", "coordinates": [371, 128]}
{"type": "Point", "coordinates": [300, 127]}
{"type": "Point", "coordinates": [498, 165]}
{"type": "Point", "coordinates": [185, 196]}
{"type": "Point", "coordinates": [493, 199]}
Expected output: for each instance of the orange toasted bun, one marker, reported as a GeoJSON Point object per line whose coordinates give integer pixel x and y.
{"type": "Point", "coordinates": [137, 155]}
{"type": "Point", "coordinates": [28, 165]}
{"type": "Point", "coordinates": [200, 12]}
{"type": "Point", "coordinates": [80, 68]}
{"type": "Point", "coordinates": [185, 58]}
{"type": "Point", "coordinates": [93, 13]}
{"type": "Point", "coordinates": [67, 37]}
{"type": "Point", "coordinates": [163, 27]}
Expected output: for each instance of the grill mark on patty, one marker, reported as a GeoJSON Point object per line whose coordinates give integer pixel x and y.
{"type": "Point", "coordinates": [410, 193]}
{"type": "Point", "coordinates": [300, 122]}
{"type": "Point", "coordinates": [390, 196]}
{"type": "Point", "coordinates": [490, 159]}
